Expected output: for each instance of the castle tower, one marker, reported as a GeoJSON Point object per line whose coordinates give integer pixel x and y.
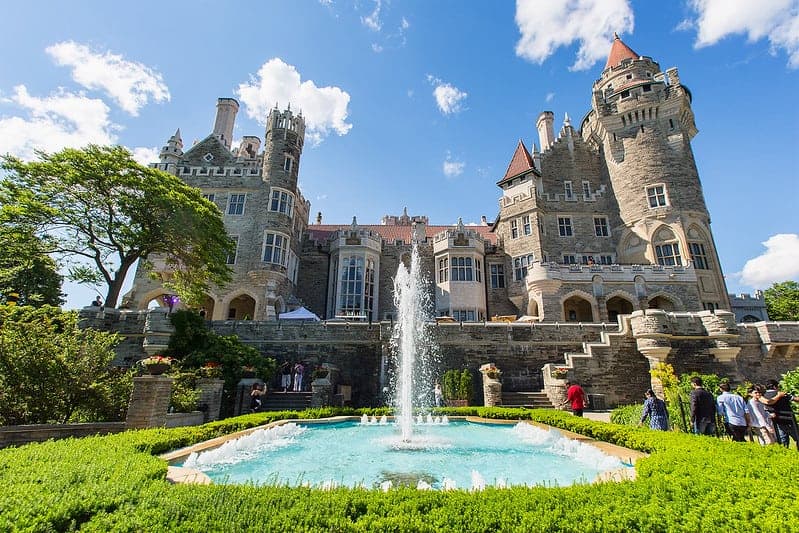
{"type": "Point", "coordinates": [546, 131]}
{"type": "Point", "coordinates": [641, 118]}
{"type": "Point", "coordinates": [226, 109]}
{"type": "Point", "coordinates": [285, 136]}
{"type": "Point", "coordinates": [173, 150]}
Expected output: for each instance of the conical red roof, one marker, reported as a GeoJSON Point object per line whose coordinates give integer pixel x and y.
{"type": "Point", "coordinates": [522, 161]}
{"type": "Point", "coordinates": [619, 52]}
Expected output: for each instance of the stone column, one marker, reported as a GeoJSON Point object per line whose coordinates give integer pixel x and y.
{"type": "Point", "coordinates": [492, 386]}
{"type": "Point", "coordinates": [157, 330]}
{"type": "Point", "coordinates": [210, 397]}
{"type": "Point", "coordinates": [322, 392]}
{"type": "Point", "coordinates": [149, 402]}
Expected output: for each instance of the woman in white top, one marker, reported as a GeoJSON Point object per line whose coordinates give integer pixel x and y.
{"type": "Point", "coordinates": [761, 422]}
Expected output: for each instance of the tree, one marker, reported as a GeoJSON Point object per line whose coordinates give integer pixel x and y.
{"type": "Point", "coordinates": [99, 206]}
{"type": "Point", "coordinates": [51, 369]}
{"type": "Point", "coordinates": [782, 301]}
{"type": "Point", "coordinates": [26, 270]}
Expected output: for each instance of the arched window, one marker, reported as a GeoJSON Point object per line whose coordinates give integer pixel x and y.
{"type": "Point", "coordinates": [667, 248]}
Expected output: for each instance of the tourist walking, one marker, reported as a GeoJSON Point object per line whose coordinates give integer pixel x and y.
{"type": "Point", "coordinates": [778, 404]}
{"type": "Point", "coordinates": [575, 396]}
{"type": "Point", "coordinates": [438, 394]}
{"type": "Point", "coordinates": [298, 371]}
{"type": "Point", "coordinates": [735, 412]}
{"type": "Point", "coordinates": [703, 409]}
{"type": "Point", "coordinates": [655, 410]}
{"type": "Point", "coordinates": [285, 376]}
{"type": "Point", "coordinates": [760, 420]}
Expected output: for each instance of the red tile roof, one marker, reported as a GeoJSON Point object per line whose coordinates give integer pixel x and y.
{"type": "Point", "coordinates": [390, 234]}
{"type": "Point", "coordinates": [522, 161]}
{"type": "Point", "coordinates": [619, 52]}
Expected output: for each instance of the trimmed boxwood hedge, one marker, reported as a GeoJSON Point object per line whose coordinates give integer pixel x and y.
{"type": "Point", "coordinates": [115, 483]}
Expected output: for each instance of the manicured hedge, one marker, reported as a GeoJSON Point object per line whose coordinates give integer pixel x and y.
{"type": "Point", "coordinates": [114, 483]}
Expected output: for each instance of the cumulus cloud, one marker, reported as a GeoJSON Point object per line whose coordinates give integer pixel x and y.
{"type": "Point", "coordinates": [776, 20]}
{"type": "Point", "coordinates": [549, 97]}
{"type": "Point", "coordinates": [778, 263]}
{"type": "Point", "coordinates": [324, 108]}
{"type": "Point", "coordinates": [129, 83]}
{"type": "Point", "coordinates": [62, 119]}
{"type": "Point", "coordinates": [372, 21]}
{"type": "Point", "coordinates": [453, 167]}
{"type": "Point", "coordinates": [546, 26]}
{"type": "Point", "coordinates": [145, 154]}
{"type": "Point", "coordinates": [448, 97]}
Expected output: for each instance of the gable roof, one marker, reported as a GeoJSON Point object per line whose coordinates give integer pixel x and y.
{"type": "Point", "coordinates": [520, 163]}
{"type": "Point", "coordinates": [619, 52]}
{"type": "Point", "coordinates": [195, 156]}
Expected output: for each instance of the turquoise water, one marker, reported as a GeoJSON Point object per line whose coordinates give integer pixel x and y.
{"type": "Point", "coordinates": [459, 455]}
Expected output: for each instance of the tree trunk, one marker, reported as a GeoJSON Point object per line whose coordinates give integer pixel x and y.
{"type": "Point", "coordinates": [115, 287]}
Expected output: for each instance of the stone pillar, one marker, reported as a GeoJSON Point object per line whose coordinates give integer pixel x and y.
{"type": "Point", "coordinates": [555, 387]}
{"type": "Point", "coordinates": [241, 403]}
{"type": "Point", "coordinates": [157, 330]}
{"type": "Point", "coordinates": [322, 392]}
{"type": "Point", "coordinates": [210, 400]}
{"type": "Point", "coordinates": [149, 402]}
{"type": "Point", "coordinates": [492, 386]}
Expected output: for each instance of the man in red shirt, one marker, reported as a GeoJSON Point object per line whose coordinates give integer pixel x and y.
{"type": "Point", "coordinates": [575, 395]}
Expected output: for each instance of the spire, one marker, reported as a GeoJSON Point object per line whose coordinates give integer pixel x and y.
{"type": "Point", "coordinates": [619, 52]}
{"type": "Point", "coordinates": [520, 162]}
{"type": "Point", "coordinates": [567, 121]}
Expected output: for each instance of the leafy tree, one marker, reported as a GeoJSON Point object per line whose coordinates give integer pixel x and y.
{"type": "Point", "coordinates": [51, 369]}
{"type": "Point", "coordinates": [27, 270]}
{"type": "Point", "coordinates": [782, 301]}
{"type": "Point", "coordinates": [99, 206]}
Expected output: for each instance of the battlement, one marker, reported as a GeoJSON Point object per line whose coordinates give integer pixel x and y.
{"type": "Point", "coordinates": [610, 273]}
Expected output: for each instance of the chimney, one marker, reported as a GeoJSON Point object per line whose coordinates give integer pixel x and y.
{"type": "Point", "coordinates": [483, 220]}
{"type": "Point", "coordinates": [226, 109]}
{"type": "Point", "coordinates": [546, 131]}
{"type": "Point", "coordinates": [319, 218]}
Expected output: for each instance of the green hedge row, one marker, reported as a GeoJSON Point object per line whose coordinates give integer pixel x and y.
{"type": "Point", "coordinates": [114, 483]}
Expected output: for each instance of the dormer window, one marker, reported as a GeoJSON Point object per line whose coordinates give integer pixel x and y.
{"type": "Point", "coordinates": [208, 157]}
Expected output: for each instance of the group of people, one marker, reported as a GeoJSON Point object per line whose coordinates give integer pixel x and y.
{"type": "Point", "coordinates": [291, 376]}
{"type": "Point", "coordinates": [767, 414]}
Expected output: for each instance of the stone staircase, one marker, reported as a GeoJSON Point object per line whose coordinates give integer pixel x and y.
{"type": "Point", "coordinates": [530, 400]}
{"type": "Point", "coordinates": [282, 401]}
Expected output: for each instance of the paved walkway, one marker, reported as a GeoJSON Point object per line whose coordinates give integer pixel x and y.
{"type": "Point", "coordinates": [601, 416]}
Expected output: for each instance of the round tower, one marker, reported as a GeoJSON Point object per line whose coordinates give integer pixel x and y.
{"type": "Point", "coordinates": [284, 138]}
{"type": "Point", "coordinates": [172, 151]}
{"type": "Point", "coordinates": [226, 110]}
{"type": "Point", "coordinates": [642, 120]}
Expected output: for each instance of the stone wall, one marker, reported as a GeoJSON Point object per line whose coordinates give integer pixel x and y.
{"type": "Point", "coordinates": [19, 435]}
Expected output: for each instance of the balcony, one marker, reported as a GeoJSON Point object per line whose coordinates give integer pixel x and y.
{"type": "Point", "coordinates": [539, 272]}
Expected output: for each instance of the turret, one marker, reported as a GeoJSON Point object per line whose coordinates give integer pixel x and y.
{"type": "Point", "coordinates": [226, 109]}
{"type": "Point", "coordinates": [284, 139]}
{"type": "Point", "coordinates": [546, 130]}
{"type": "Point", "coordinates": [173, 150]}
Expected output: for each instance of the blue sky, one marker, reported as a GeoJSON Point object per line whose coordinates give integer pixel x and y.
{"type": "Point", "coordinates": [417, 104]}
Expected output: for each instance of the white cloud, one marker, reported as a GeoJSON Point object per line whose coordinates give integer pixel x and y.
{"type": "Point", "coordinates": [61, 120]}
{"type": "Point", "coordinates": [145, 154]}
{"type": "Point", "coordinates": [376, 48]}
{"type": "Point", "coordinates": [776, 20]}
{"type": "Point", "coordinates": [448, 97]}
{"type": "Point", "coordinates": [324, 108]}
{"type": "Point", "coordinates": [130, 84]}
{"type": "Point", "coordinates": [546, 26]}
{"type": "Point", "coordinates": [404, 24]}
{"type": "Point", "coordinates": [549, 97]}
{"type": "Point", "coordinates": [453, 168]}
{"type": "Point", "coordinates": [373, 20]}
{"type": "Point", "coordinates": [780, 262]}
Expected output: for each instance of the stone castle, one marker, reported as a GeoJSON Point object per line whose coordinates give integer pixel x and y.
{"type": "Point", "coordinates": [602, 221]}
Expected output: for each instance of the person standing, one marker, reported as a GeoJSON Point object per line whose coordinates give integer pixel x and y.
{"type": "Point", "coordinates": [256, 397]}
{"type": "Point", "coordinates": [703, 409]}
{"type": "Point", "coordinates": [98, 302]}
{"type": "Point", "coordinates": [438, 394]}
{"type": "Point", "coordinates": [575, 396]}
{"type": "Point", "coordinates": [655, 410]}
{"type": "Point", "coordinates": [735, 412]}
{"type": "Point", "coordinates": [779, 406]}
{"type": "Point", "coordinates": [761, 422]}
{"type": "Point", "coordinates": [285, 376]}
{"type": "Point", "coordinates": [298, 371]}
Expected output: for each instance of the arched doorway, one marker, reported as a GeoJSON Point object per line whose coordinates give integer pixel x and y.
{"type": "Point", "coordinates": [241, 307]}
{"type": "Point", "coordinates": [577, 309]}
{"type": "Point", "coordinates": [661, 302]}
{"type": "Point", "coordinates": [206, 308]}
{"type": "Point", "coordinates": [618, 306]}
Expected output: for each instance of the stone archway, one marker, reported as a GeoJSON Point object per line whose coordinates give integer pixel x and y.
{"type": "Point", "coordinates": [618, 306]}
{"type": "Point", "coordinates": [242, 307]}
{"type": "Point", "coordinates": [206, 308]}
{"type": "Point", "coordinates": [577, 309]}
{"type": "Point", "coordinates": [662, 302]}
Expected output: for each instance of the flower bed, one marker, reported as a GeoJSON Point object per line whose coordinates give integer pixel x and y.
{"type": "Point", "coordinates": [688, 484]}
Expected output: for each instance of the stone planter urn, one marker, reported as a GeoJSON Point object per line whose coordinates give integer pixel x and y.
{"type": "Point", "coordinates": [492, 386]}
{"type": "Point", "coordinates": [156, 369]}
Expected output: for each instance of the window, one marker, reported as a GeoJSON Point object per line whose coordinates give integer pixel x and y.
{"type": "Point", "coordinates": [236, 204]}
{"type": "Point", "coordinates": [668, 254]}
{"type": "Point", "coordinates": [605, 260]}
{"type": "Point", "coordinates": [565, 226]}
{"type": "Point", "coordinates": [656, 195]}
{"type": "Point", "coordinates": [478, 271]}
{"type": "Point", "coordinates": [288, 162]}
{"type": "Point", "coordinates": [514, 229]}
{"type": "Point", "coordinates": [587, 260]}
{"type": "Point", "coordinates": [443, 270]}
{"type": "Point", "coordinates": [698, 255]}
{"type": "Point", "coordinates": [463, 315]}
{"type": "Point", "coordinates": [497, 276]}
{"type": "Point", "coordinates": [520, 265]}
{"type": "Point", "coordinates": [526, 225]}
{"type": "Point", "coordinates": [647, 88]}
{"type": "Point", "coordinates": [569, 260]}
{"type": "Point", "coordinates": [625, 94]}
{"type": "Point", "coordinates": [586, 190]}
{"type": "Point", "coordinates": [567, 190]}
{"type": "Point", "coordinates": [282, 202]}
{"type": "Point", "coordinates": [710, 306]}
{"type": "Point", "coordinates": [601, 227]}
{"type": "Point", "coordinates": [275, 246]}
{"type": "Point", "coordinates": [350, 301]}
{"type": "Point", "coordinates": [231, 258]}
{"type": "Point", "coordinates": [210, 197]}
{"type": "Point", "coordinates": [462, 269]}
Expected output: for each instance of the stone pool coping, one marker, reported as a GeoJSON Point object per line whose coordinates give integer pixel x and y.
{"type": "Point", "coordinates": [177, 474]}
